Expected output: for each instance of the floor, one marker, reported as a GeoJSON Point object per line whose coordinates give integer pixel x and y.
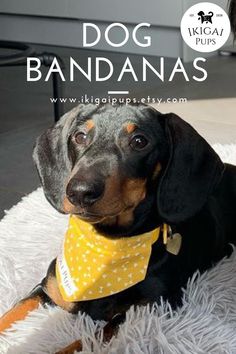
{"type": "Point", "coordinates": [214, 119]}
{"type": "Point", "coordinates": [26, 109]}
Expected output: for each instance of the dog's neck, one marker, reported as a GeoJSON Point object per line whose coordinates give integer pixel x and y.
{"type": "Point", "coordinates": [144, 218]}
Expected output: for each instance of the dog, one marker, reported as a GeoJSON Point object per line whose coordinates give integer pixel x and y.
{"type": "Point", "coordinates": [205, 18]}
{"type": "Point", "coordinates": [127, 173]}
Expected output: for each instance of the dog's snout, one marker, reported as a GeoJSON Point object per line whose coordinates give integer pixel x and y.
{"type": "Point", "coordinates": [84, 193]}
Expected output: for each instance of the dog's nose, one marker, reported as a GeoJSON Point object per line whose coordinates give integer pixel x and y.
{"type": "Point", "coordinates": [84, 193]}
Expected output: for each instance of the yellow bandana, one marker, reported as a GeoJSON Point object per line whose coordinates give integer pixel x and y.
{"type": "Point", "coordinates": [91, 266]}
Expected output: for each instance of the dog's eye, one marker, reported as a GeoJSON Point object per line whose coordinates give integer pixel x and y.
{"type": "Point", "coordinates": [80, 138]}
{"type": "Point", "coordinates": [138, 142]}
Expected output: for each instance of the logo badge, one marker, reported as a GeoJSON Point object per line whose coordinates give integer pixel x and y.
{"type": "Point", "coordinates": [205, 27]}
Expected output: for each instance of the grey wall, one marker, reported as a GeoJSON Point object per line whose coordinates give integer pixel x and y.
{"type": "Point", "coordinates": [65, 32]}
{"type": "Point", "coordinates": [59, 22]}
{"type": "Point", "coordinates": [157, 12]}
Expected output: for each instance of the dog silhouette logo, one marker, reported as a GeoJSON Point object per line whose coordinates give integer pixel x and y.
{"type": "Point", "coordinates": [205, 18]}
{"type": "Point", "coordinates": [205, 27]}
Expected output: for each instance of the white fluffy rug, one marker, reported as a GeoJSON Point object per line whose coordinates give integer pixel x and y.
{"type": "Point", "coordinates": [30, 236]}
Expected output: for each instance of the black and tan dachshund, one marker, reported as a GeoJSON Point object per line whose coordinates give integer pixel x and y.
{"type": "Point", "coordinates": [128, 169]}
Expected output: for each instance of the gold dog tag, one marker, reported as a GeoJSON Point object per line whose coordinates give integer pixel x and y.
{"type": "Point", "coordinates": [174, 244]}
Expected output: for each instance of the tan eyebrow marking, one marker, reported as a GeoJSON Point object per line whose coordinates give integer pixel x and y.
{"type": "Point", "coordinates": [157, 170]}
{"type": "Point", "coordinates": [90, 124]}
{"type": "Point", "coordinates": [130, 127]}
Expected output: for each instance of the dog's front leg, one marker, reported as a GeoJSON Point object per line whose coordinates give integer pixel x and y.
{"type": "Point", "coordinates": [23, 308]}
{"type": "Point", "coordinates": [109, 331]}
{"type": "Point", "coordinates": [46, 292]}
{"type": "Point", "coordinates": [70, 349]}
{"type": "Point", "coordinates": [112, 326]}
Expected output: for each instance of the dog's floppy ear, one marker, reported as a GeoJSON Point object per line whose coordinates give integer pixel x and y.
{"type": "Point", "coordinates": [52, 161]}
{"type": "Point", "coordinates": [192, 172]}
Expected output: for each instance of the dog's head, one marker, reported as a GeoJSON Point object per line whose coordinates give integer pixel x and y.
{"type": "Point", "coordinates": [114, 165]}
{"type": "Point", "coordinates": [201, 13]}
